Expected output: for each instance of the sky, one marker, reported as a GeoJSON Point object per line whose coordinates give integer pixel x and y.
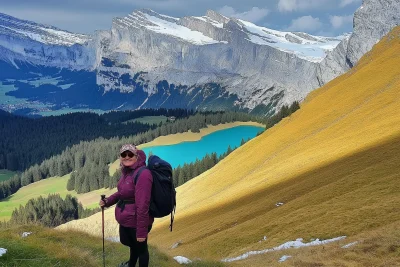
{"type": "Point", "coordinates": [317, 17]}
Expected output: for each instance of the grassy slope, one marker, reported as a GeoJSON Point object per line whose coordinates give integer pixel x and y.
{"type": "Point", "coordinates": [47, 247]}
{"type": "Point", "coordinates": [335, 164]}
{"type": "Point", "coordinates": [379, 247]}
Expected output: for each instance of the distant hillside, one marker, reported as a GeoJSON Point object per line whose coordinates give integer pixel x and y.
{"type": "Point", "coordinates": [334, 165]}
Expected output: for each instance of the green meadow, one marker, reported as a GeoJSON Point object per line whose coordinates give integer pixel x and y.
{"type": "Point", "coordinates": [149, 119]}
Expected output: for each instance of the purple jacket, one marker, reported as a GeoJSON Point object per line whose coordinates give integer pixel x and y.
{"type": "Point", "coordinates": [134, 215]}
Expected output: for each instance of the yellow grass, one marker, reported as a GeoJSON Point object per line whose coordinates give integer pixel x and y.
{"type": "Point", "coordinates": [335, 164]}
{"type": "Point", "coordinates": [380, 247]}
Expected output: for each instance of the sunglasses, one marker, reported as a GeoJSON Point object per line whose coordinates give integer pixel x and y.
{"type": "Point", "coordinates": [127, 153]}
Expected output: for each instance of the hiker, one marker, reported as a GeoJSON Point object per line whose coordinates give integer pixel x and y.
{"type": "Point", "coordinates": [132, 210]}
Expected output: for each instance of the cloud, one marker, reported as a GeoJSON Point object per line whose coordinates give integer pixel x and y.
{"type": "Point", "coordinates": [305, 23]}
{"type": "Point", "coordinates": [301, 5]}
{"type": "Point", "coordinates": [253, 15]}
{"type": "Point", "coordinates": [338, 22]}
{"type": "Point", "coordinates": [97, 5]}
{"type": "Point", "coordinates": [287, 5]}
{"type": "Point", "coordinates": [64, 19]}
{"type": "Point", "coordinates": [154, 4]}
{"type": "Point", "coordinates": [344, 3]}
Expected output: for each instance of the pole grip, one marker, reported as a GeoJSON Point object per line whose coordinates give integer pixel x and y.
{"type": "Point", "coordinates": [103, 197]}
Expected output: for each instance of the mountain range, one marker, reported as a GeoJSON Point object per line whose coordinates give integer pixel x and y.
{"type": "Point", "coordinates": [150, 60]}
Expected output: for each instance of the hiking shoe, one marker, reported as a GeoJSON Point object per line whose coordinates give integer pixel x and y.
{"type": "Point", "coordinates": [124, 264]}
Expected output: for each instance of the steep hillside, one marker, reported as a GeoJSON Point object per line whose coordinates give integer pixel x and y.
{"type": "Point", "coordinates": [334, 164]}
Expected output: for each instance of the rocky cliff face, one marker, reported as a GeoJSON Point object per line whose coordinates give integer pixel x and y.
{"type": "Point", "coordinates": [373, 20]}
{"type": "Point", "coordinates": [259, 66]}
{"type": "Point", "coordinates": [44, 45]}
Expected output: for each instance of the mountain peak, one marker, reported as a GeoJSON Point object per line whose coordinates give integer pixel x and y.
{"type": "Point", "coordinates": [216, 16]}
{"type": "Point", "coordinates": [39, 32]}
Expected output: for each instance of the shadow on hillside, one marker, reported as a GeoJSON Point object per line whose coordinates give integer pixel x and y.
{"type": "Point", "coordinates": [383, 159]}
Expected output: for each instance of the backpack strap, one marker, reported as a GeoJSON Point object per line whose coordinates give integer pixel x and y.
{"type": "Point", "coordinates": [138, 174]}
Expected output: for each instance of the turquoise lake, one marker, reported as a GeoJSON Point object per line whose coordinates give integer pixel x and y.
{"type": "Point", "coordinates": [188, 152]}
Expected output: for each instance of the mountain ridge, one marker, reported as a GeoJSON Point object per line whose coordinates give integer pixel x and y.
{"type": "Point", "coordinates": [208, 62]}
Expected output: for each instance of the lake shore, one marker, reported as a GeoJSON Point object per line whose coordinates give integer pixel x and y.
{"type": "Point", "coordinates": [173, 139]}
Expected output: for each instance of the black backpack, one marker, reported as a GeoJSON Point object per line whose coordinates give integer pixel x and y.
{"type": "Point", "coordinates": [163, 194]}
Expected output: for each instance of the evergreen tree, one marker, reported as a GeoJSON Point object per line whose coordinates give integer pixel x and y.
{"type": "Point", "coordinates": [71, 182]}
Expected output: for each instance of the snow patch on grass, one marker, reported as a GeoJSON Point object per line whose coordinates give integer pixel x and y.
{"type": "Point", "coordinates": [284, 258]}
{"type": "Point", "coordinates": [291, 244]}
{"type": "Point", "coordinates": [3, 251]}
{"type": "Point", "coordinates": [25, 234]}
{"type": "Point", "coordinates": [350, 244]}
{"type": "Point", "coordinates": [182, 260]}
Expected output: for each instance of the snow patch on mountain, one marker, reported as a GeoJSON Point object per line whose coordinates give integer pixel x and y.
{"type": "Point", "coordinates": [169, 28]}
{"type": "Point", "coordinates": [165, 25]}
{"type": "Point", "coordinates": [313, 48]}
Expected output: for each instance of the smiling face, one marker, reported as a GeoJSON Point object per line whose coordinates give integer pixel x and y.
{"type": "Point", "coordinates": [128, 158]}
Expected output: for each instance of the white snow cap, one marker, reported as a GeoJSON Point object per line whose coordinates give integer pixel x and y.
{"type": "Point", "coordinates": [25, 234]}
{"type": "Point", "coordinates": [311, 48]}
{"type": "Point", "coordinates": [165, 25]}
{"type": "Point", "coordinates": [182, 260]}
{"type": "Point", "coordinates": [3, 251]}
{"type": "Point", "coordinates": [291, 244]}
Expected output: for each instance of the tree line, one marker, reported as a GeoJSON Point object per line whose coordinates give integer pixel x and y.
{"type": "Point", "coordinates": [25, 141]}
{"type": "Point", "coordinates": [88, 161]}
{"type": "Point", "coordinates": [90, 171]}
{"type": "Point", "coordinates": [51, 211]}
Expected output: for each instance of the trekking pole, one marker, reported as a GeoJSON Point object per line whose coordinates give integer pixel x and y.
{"type": "Point", "coordinates": [102, 228]}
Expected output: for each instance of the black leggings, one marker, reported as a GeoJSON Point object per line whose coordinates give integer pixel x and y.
{"type": "Point", "coordinates": [138, 250]}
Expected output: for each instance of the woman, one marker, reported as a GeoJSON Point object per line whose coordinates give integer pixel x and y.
{"type": "Point", "coordinates": [133, 201]}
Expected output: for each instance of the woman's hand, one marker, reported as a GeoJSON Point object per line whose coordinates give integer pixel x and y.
{"type": "Point", "coordinates": [102, 203]}
{"type": "Point", "coordinates": [141, 239]}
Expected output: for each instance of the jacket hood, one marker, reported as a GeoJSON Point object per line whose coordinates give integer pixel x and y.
{"type": "Point", "coordinates": [139, 163]}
